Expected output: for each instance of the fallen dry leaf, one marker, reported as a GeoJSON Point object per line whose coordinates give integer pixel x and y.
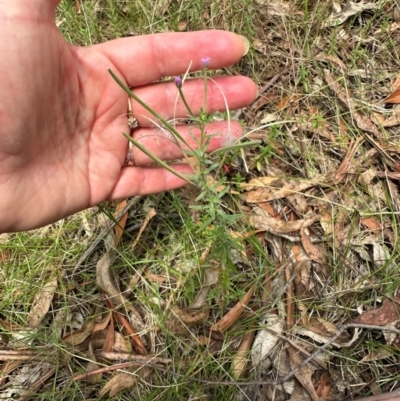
{"type": "Point", "coordinates": [266, 339]}
{"type": "Point", "coordinates": [393, 98]}
{"type": "Point", "coordinates": [299, 393]}
{"type": "Point", "coordinates": [392, 121]}
{"type": "Point", "coordinates": [264, 189]}
{"type": "Point", "coordinates": [79, 336]}
{"type": "Point", "coordinates": [324, 387]}
{"type": "Point", "coordinates": [98, 326]}
{"type": "Point", "coordinates": [110, 337]}
{"type": "Point", "coordinates": [42, 303]}
{"type": "Point", "coordinates": [348, 10]}
{"type": "Point", "coordinates": [106, 281]}
{"type": "Point", "coordinates": [331, 58]}
{"type": "Point", "coordinates": [304, 374]}
{"type": "Point", "coordinates": [128, 329]}
{"type": "Point", "coordinates": [234, 313]}
{"type": "Point", "coordinates": [345, 164]}
{"type": "Point", "coordinates": [278, 8]}
{"type": "Point", "coordinates": [183, 318]}
{"type": "Point", "coordinates": [241, 357]}
{"type": "Point", "coordinates": [303, 331]}
{"type": "Point", "coordinates": [119, 228]}
{"type": "Point", "coordinates": [123, 381]}
{"type": "Point", "coordinates": [210, 278]}
{"type": "Point", "coordinates": [372, 223]}
{"type": "Point", "coordinates": [385, 314]}
{"type": "Point", "coordinates": [378, 355]}
{"type": "Point", "coordinates": [323, 327]}
{"type": "Point", "coordinates": [287, 100]}
{"type": "Point", "coordinates": [150, 214]}
{"type": "Point", "coordinates": [262, 221]}
{"type": "Point", "coordinates": [302, 272]}
{"type": "Point", "coordinates": [92, 366]}
{"type": "Point", "coordinates": [313, 250]}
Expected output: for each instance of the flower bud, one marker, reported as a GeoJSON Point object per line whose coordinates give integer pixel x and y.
{"type": "Point", "coordinates": [205, 61]}
{"type": "Point", "coordinates": [178, 82]}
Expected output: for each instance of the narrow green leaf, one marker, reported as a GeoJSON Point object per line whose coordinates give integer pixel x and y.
{"type": "Point", "coordinates": [173, 131]}
{"type": "Point", "coordinates": [156, 159]}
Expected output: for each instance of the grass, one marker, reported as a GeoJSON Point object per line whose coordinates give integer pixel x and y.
{"type": "Point", "coordinates": [196, 231]}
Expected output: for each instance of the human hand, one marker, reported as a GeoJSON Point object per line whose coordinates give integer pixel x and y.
{"type": "Point", "coordinates": [62, 115]}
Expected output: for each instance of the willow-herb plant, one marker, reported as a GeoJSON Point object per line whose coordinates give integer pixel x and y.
{"type": "Point", "coordinates": [209, 202]}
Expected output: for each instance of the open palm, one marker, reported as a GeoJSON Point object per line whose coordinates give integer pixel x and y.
{"type": "Point", "coordinates": [62, 115]}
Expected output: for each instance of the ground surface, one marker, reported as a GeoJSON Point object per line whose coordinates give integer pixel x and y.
{"type": "Point", "coordinates": [277, 276]}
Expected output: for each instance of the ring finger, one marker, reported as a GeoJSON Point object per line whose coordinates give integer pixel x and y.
{"type": "Point", "coordinates": [161, 143]}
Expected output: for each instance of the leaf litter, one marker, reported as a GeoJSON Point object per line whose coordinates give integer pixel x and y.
{"type": "Point", "coordinates": [315, 316]}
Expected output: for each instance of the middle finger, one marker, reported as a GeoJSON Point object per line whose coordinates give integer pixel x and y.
{"type": "Point", "coordinates": [163, 97]}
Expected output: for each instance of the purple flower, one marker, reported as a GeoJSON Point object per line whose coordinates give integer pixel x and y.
{"type": "Point", "coordinates": [205, 61]}
{"type": "Point", "coordinates": [178, 82]}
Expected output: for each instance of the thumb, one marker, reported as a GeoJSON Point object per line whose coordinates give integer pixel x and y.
{"type": "Point", "coordinates": [42, 8]}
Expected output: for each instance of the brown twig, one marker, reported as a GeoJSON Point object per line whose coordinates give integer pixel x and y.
{"type": "Point", "coordinates": [135, 340]}
{"type": "Point", "coordinates": [106, 369]}
{"type": "Point", "coordinates": [26, 355]}
{"type": "Point", "coordinates": [143, 359]}
{"type": "Point", "coordinates": [392, 396]}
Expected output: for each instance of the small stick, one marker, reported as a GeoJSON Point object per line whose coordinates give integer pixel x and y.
{"type": "Point", "coordinates": [124, 365]}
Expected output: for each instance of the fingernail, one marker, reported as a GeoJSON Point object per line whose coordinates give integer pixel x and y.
{"type": "Point", "coordinates": [246, 44]}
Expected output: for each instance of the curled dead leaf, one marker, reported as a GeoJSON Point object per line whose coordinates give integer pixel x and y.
{"type": "Point", "coordinates": [92, 366]}
{"type": "Point", "coordinates": [377, 355]}
{"type": "Point", "coordinates": [42, 303]}
{"type": "Point", "coordinates": [385, 314]}
{"type": "Point", "coordinates": [266, 339]}
{"type": "Point", "coordinates": [106, 281]}
{"type": "Point", "coordinates": [79, 336]}
{"type": "Point", "coordinates": [340, 15]}
{"type": "Point", "coordinates": [123, 381]}
{"type": "Point", "coordinates": [119, 228]}
{"type": "Point", "coordinates": [324, 387]}
{"type": "Point", "coordinates": [264, 189]}
{"type": "Point", "coordinates": [304, 374]}
{"type": "Point", "coordinates": [234, 313]}
{"type": "Point", "coordinates": [313, 250]}
{"type": "Point", "coordinates": [393, 98]}
{"type": "Point", "coordinates": [241, 358]}
{"type": "Point", "coordinates": [262, 221]}
{"type": "Point", "coordinates": [181, 319]}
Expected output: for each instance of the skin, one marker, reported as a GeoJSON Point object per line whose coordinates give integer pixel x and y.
{"type": "Point", "coordinates": [62, 115]}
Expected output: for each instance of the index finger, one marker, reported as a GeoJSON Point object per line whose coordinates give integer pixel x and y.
{"type": "Point", "coordinates": [148, 58]}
